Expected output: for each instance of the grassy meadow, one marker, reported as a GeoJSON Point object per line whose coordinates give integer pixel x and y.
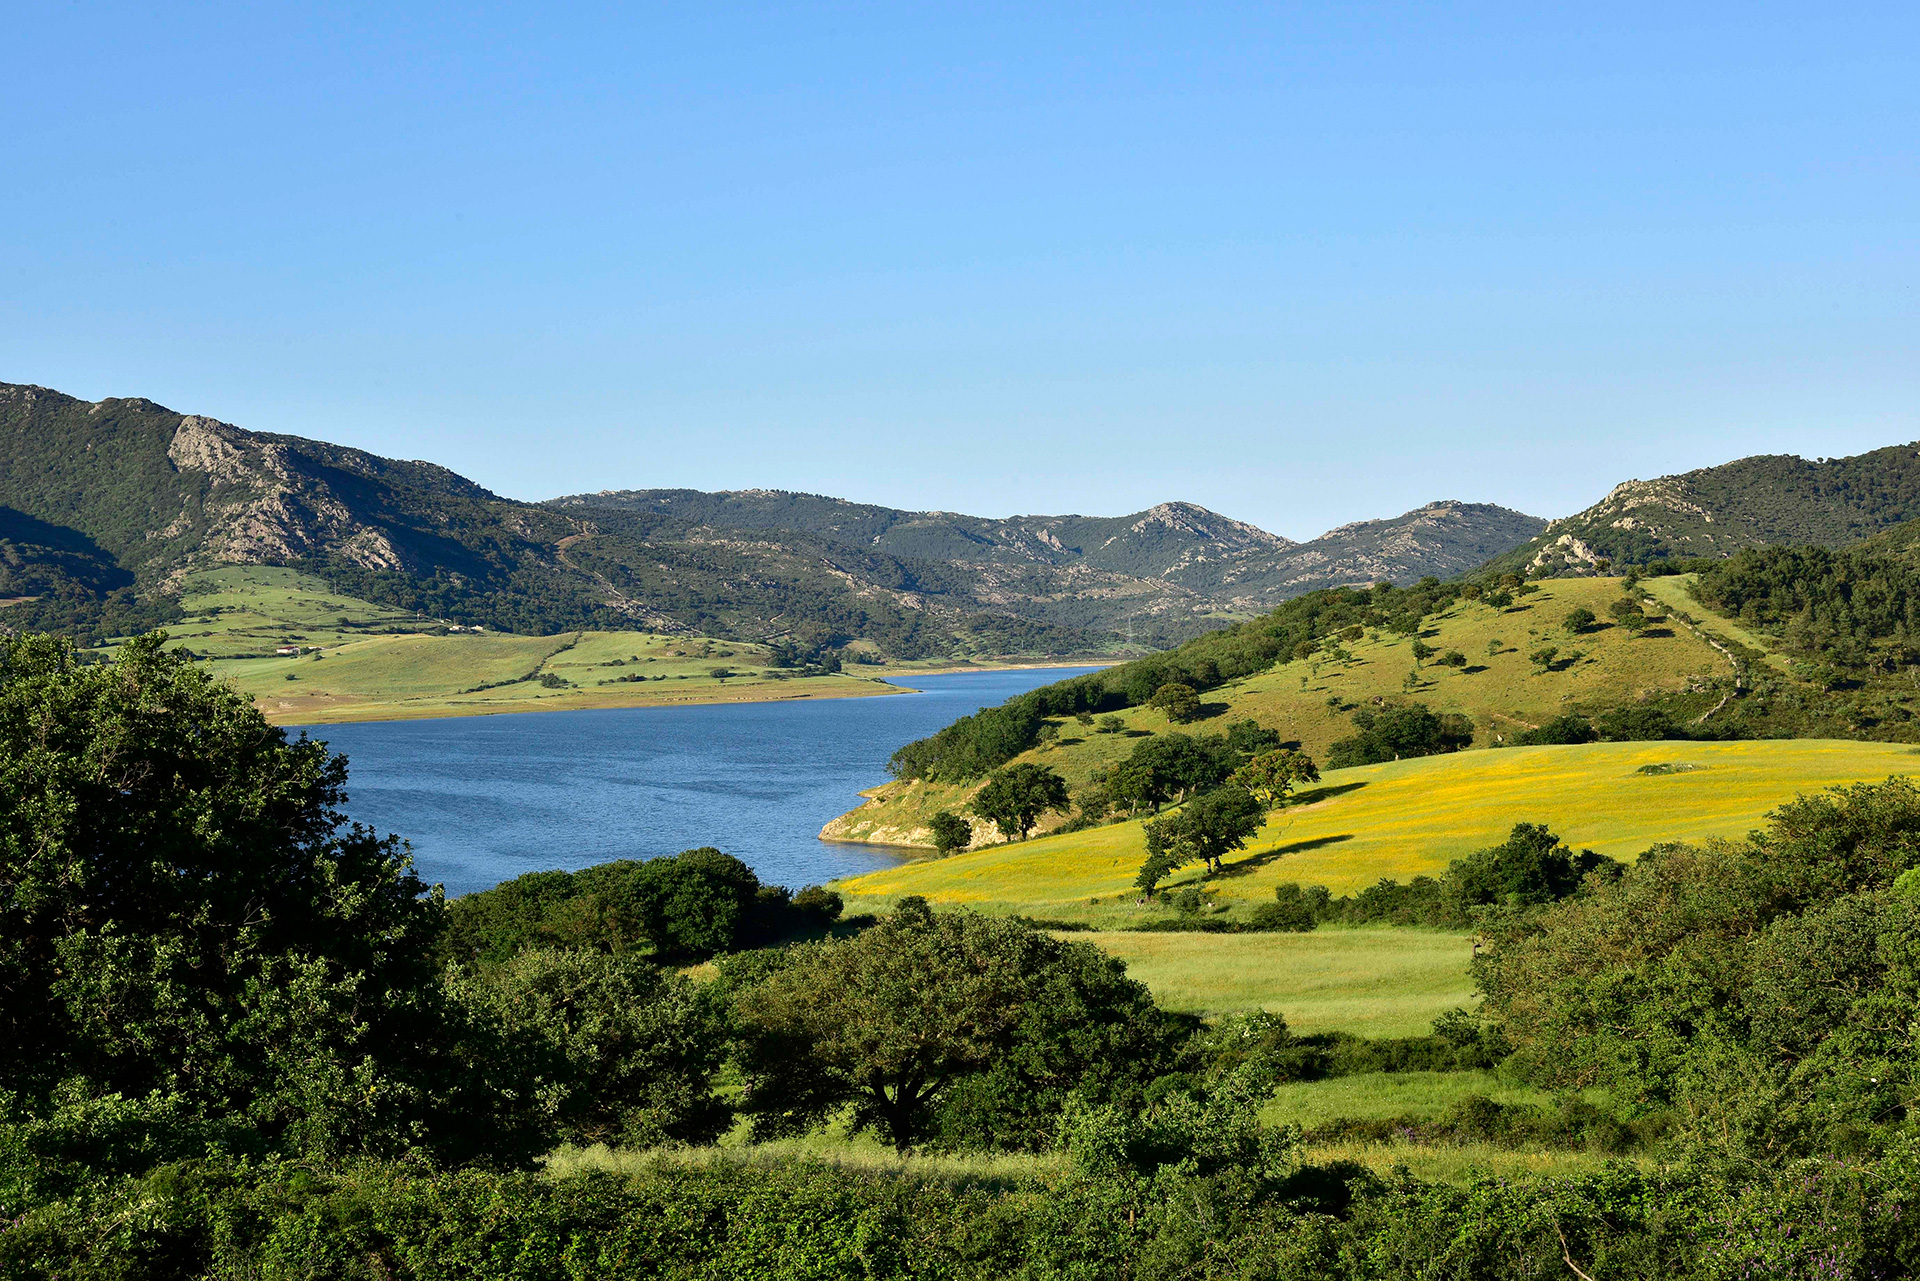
{"type": "Point", "coordinates": [1411, 818]}
{"type": "Point", "coordinates": [1371, 982]}
{"type": "Point", "coordinates": [361, 661]}
{"type": "Point", "coordinates": [1313, 700]}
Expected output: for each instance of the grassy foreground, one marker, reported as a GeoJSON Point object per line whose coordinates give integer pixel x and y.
{"type": "Point", "coordinates": [1411, 818]}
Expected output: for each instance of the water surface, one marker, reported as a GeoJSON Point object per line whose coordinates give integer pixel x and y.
{"type": "Point", "coordinates": [485, 798]}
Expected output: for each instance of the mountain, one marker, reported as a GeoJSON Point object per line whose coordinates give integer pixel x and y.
{"type": "Point", "coordinates": [1172, 560]}
{"type": "Point", "coordinates": [118, 501]}
{"type": "Point", "coordinates": [1716, 511]}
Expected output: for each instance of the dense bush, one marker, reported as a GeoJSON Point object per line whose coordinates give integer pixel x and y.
{"type": "Point", "coordinates": [686, 906]}
{"type": "Point", "coordinates": [1396, 732]}
{"type": "Point", "coordinates": [1528, 870]}
{"type": "Point", "coordinates": [1856, 608]}
{"type": "Point", "coordinates": [1829, 1218]}
{"type": "Point", "coordinates": [965, 1029]}
{"type": "Point", "coordinates": [1763, 991]}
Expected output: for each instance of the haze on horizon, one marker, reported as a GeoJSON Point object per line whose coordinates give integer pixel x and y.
{"type": "Point", "coordinates": [1302, 266]}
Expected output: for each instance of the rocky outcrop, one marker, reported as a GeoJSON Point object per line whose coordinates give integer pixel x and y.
{"type": "Point", "coordinates": [265, 504]}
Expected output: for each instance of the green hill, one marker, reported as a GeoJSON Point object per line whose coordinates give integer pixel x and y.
{"type": "Point", "coordinates": [310, 655]}
{"type": "Point", "coordinates": [1311, 700]}
{"type": "Point", "coordinates": [1411, 818]}
{"type": "Point", "coordinates": [1717, 511]}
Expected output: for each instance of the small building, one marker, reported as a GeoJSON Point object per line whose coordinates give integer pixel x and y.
{"type": "Point", "coordinates": [287, 651]}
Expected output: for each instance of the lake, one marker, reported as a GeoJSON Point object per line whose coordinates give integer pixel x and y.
{"type": "Point", "coordinates": [483, 799]}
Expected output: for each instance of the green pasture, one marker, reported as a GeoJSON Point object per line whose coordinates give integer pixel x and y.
{"type": "Point", "coordinates": [1411, 818]}
{"type": "Point", "coordinates": [1371, 982]}
{"type": "Point", "coordinates": [360, 661]}
{"type": "Point", "coordinates": [1386, 1096]}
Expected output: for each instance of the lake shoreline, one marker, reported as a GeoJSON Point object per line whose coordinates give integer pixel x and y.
{"type": "Point", "coordinates": [321, 710]}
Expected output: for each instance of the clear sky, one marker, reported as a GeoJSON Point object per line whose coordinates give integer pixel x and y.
{"type": "Point", "coordinates": [1302, 263]}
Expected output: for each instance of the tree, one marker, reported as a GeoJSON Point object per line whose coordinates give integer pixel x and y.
{"type": "Point", "coordinates": [1543, 657]}
{"type": "Point", "coordinates": [1579, 620]}
{"type": "Point", "coordinates": [1206, 830]}
{"type": "Point", "coordinates": [1014, 798]}
{"type": "Point", "coordinates": [696, 903]}
{"type": "Point", "coordinates": [613, 1048]}
{"type": "Point", "coordinates": [1270, 776]}
{"type": "Point", "coordinates": [951, 833]}
{"type": "Point", "coordinates": [1422, 652]}
{"type": "Point", "coordinates": [894, 1020]}
{"type": "Point", "coordinates": [1396, 732]}
{"type": "Point", "coordinates": [1529, 868]}
{"type": "Point", "coordinates": [1293, 911]}
{"type": "Point", "coordinates": [1110, 725]}
{"type": "Point", "coordinates": [1248, 738]}
{"type": "Point", "coordinates": [1171, 765]}
{"type": "Point", "coordinates": [1453, 658]}
{"type": "Point", "coordinates": [187, 916]}
{"type": "Point", "coordinates": [1180, 703]}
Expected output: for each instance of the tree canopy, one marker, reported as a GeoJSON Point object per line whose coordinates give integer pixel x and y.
{"type": "Point", "coordinates": [1014, 798]}
{"type": "Point", "coordinates": [189, 915]}
{"type": "Point", "coordinates": [892, 1020]}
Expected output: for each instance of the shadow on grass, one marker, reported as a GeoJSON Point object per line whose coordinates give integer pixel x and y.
{"type": "Point", "coordinates": [1317, 794]}
{"type": "Point", "coordinates": [1254, 862]}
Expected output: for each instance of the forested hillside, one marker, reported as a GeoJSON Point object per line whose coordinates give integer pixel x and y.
{"type": "Point", "coordinates": [1717, 511]}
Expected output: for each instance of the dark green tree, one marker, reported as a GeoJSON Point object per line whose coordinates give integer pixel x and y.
{"type": "Point", "coordinates": [1579, 620]}
{"type": "Point", "coordinates": [1014, 798]}
{"type": "Point", "coordinates": [951, 833]}
{"type": "Point", "coordinates": [1529, 868]}
{"type": "Point", "coordinates": [1270, 776]}
{"type": "Point", "coordinates": [610, 1048]}
{"type": "Point", "coordinates": [1179, 702]}
{"type": "Point", "coordinates": [1205, 830]}
{"type": "Point", "coordinates": [697, 903]}
{"type": "Point", "coordinates": [897, 1018]}
{"type": "Point", "coordinates": [187, 914]}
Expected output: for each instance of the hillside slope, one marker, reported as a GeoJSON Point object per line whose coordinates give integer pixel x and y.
{"type": "Point", "coordinates": [1411, 818]}
{"type": "Point", "coordinates": [1716, 511]}
{"type": "Point", "coordinates": [1311, 700]}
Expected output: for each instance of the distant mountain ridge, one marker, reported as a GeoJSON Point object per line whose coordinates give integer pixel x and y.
{"type": "Point", "coordinates": [1760, 501]}
{"type": "Point", "coordinates": [1226, 563]}
{"type": "Point", "coordinates": [124, 498]}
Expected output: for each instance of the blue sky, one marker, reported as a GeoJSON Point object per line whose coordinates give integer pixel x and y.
{"type": "Point", "coordinates": [1304, 264]}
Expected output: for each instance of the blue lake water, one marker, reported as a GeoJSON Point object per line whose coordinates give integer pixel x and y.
{"type": "Point", "coordinates": [484, 798]}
